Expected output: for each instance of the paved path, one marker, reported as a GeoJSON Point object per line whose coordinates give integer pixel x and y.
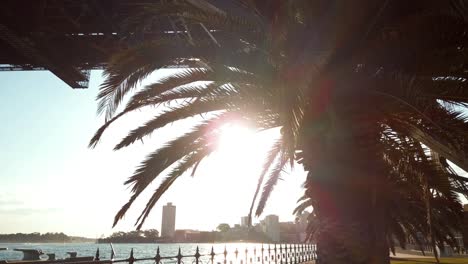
{"type": "Point", "coordinates": [398, 255]}
{"type": "Point", "coordinates": [404, 255]}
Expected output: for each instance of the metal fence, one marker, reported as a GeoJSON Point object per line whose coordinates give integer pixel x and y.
{"type": "Point", "coordinates": [273, 254]}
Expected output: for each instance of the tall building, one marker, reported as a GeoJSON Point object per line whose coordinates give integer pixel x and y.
{"type": "Point", "coordinates": [168, 220]}
{"type": "Point", "coordinates": [272, 227]}
{"type": "Point", "coordinates": [245, 221]}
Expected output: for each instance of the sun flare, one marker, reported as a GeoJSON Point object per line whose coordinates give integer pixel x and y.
{"type": "Point", "coordinates": [235, 138]}
{"type": "Point", "coordinates": [239, 150]}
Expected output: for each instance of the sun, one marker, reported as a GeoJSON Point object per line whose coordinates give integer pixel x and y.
{"type": "Point", "coordinates": [240, 150]}
{"type": "Point", "coordinates": [235, 139]}
{"type": "Point", "coordinates": [237, 150]}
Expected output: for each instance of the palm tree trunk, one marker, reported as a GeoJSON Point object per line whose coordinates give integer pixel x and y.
{"type": "Point", "coordinates": [352, 230]}
{"type": "Point", "coordinates": [346, 184]}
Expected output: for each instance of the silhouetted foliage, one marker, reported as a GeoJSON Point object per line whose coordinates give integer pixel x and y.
{"type": "Point", "coordinates": [223, 227]}
{"type": "Point", "coordinates": [146, 236]}
{"type": "Point", "coordinates": [41, 238]}
{"type": "Point", "coordinates": [370, 98]}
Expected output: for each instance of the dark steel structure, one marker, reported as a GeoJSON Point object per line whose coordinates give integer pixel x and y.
{"type": "Point", "coordinates": [72, 37]}
{"type": "Point", "coordinates": [67, 37]}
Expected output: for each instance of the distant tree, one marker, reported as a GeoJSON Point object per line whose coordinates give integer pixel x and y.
{"type": "Point", "coordinates": [146, 236]}
{"type": "Point", "coordinates": [223, 227]}
{"type": "Point", "coordinates": [35, 237]}
{"type": "Point", "coordinates": [151, 233]}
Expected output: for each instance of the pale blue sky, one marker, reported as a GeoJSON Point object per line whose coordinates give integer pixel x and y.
{"type": "Point", "coordinates": [51, 182]}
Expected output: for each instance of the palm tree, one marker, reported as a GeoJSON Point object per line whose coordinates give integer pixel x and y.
{"type": "Point", "coordinates": [369, 96]}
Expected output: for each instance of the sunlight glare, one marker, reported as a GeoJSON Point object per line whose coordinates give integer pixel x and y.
{"type": "Point", "coordinates": [235, 139]}
{"type": "Point", "coordinates": [240, 151]}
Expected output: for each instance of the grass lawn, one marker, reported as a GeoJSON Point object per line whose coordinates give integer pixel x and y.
{"type": "Point", "coordinates": [430, 261]}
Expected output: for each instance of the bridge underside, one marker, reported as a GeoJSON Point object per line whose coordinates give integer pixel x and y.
{"type": "Point", "coordinates": [67, 37]}
{"type": "Point", "coordinates": [72, 37]}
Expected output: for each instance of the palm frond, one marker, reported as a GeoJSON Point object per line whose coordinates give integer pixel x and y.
{"type": "Point", "coordinates": [271, 157]}
{"type": "Point", "coordinates": [271, 182]}
{"type": "Point", "coordinates": [128, 68]}
{"type": "Point", "coordinates": [225, 98]}
{"type": "Point", "coordinates": [183, 166]}
{"type": "Point", "coordinates": [302, 206]}
{"type": "Point", "coordinates": [169, 154]}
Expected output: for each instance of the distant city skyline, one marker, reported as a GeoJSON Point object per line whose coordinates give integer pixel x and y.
{"type": "Point", "coordinates": [52, 182]}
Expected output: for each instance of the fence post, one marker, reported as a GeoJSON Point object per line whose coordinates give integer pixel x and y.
{"type": "Point", "coordinates": [291, 254]}
{"type": "Point", "coordinates": [255, 254]}
{"type": "Point", "coordinates": [295, 254]}
{"type": "Point", "coordinates": [132, 258]}
{"type": "Point", "coordinates": [299, 260]}
{"type": "Point", "coordinates": [303, 253]}
{"type": "Point", "coordinates": [276, 256]}
{"type": "Point", "coordinates": [269, 254]}
{"type": "Point", "coordinates": [179, 257]}
{"type": "Point", "coordinates": [281, 255]}
{"type": "Point", "coordinates": [314, 251]}
{"type": "Point", "coordinates": [246, 255]}
{"type": "Point", "coordinates": [197, 255]}
{"type": "Point", "coordinates": [212, 255]}
{"type": "Point", "coordinates": [225, 255]}
{"type": "Point", "coordinates": [263, 261]}
{"type": "Point", "coordinates": [299, 255]}
{"type": "Point", "coordinates": [96, 257]}
{"type": "Point", "coordinates": [157, 258]}
{"type": "Point", "coordinates": [286, 254]}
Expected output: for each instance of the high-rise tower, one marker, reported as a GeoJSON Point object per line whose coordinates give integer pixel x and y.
{"type": "Point", "coordinates": [272, 227]}
{"type": "Point", "coordinates": [168, 220]}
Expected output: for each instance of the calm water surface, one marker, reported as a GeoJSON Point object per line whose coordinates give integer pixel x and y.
{"type": "Point", "coordinates": [140, 250]}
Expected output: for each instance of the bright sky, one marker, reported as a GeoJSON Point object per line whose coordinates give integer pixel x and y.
{"type": "Point", "coordinates": [51, 182]}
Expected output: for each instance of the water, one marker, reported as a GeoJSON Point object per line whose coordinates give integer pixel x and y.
{"type": "Point", "coordinates": [147, 251]}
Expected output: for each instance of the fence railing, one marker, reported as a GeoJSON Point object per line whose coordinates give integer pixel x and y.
{"type": "Point", "coordinates": [273, 254]}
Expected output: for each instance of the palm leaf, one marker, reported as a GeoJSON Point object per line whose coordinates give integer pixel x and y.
{"type": "Point", "coordinates": [271, 182]}
{"type": "Point", "coordinates": [271, 157]}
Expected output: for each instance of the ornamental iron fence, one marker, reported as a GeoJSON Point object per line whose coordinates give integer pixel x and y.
{"type": "Point", "coordinates": [273, 254]}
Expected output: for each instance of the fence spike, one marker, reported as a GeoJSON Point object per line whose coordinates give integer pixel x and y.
{"type": "Point", "coordinates": [275, 257]}
{"type": "Point", "coordinates": [269, 253]}
{"type": "Point", "coordinates": [179, 257]}
{"type": "Point", "coordinates": [96, 257]}
{"type": "Point", "coordinates": [281, 254]}
{"type": "Point", "coordinates": [132, 258]}
{"type": "Point", "coordinates": [225, 254]}
{"type": "Point", "coordinates": [295, 254]}
{"type": "Point", "coordinates": [197, 256]}
{"type": "Point", "coordinates": [263, 261]}
{"type": "Point", "coordinates": [157, 258]}
{"type": "Point", "coordinates": [212, 254]}
{"type": "Point", "coordinates": [246, 255]}
{"type": "Point", "coordinates": [303, 253]}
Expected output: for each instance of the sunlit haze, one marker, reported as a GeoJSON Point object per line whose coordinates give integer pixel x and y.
{"type": "Point", "coordinates": [51, 181]}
